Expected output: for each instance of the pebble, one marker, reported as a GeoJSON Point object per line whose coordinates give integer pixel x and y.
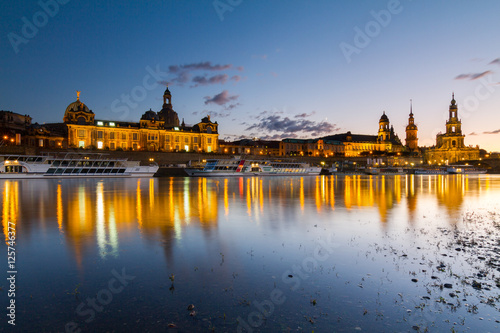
{"type": "Point", "coordinates": [448, 285]}
{"type": "Point", "coordinates": [414, 280]}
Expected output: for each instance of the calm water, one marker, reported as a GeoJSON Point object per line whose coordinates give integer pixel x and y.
{"type": "Point", "coordinates": [322, 254]}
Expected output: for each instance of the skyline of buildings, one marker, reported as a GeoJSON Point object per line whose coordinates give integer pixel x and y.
{"type": "Point", "coordinates": [289, 73]}
{"type": "Point", "coordinates": [162, 131]}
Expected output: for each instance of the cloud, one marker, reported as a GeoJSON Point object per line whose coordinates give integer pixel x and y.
{"type": "Point", "coordinates": [492, 132]}
{"type": "Point", "coordinates": [215, 114]}
{"type": "Point", "coordinates": [221, 99]}
{"type": "Point", "coordinates": [277, 123]}
{"type": "Point", "coordinates": [232, 106]}
{"type": "Point", "coordinates": [202, 80]}
{"type": "Point", "coordinates": [236, 78]}
{"type": "Point", "coordinates": [496, 61]}
{"type": "Point", "coordinates": [207, 65]}
{"type": "Point", "coordinates": [181, 74]}
{"type": "Point", "coordinates": [473, 133]}
{"type": "Point", "coordinates": [259, 56]}
{"type": "Point", "coordinates": [304, 115]}
{"type": "Point", "coordinates": [472, 76]}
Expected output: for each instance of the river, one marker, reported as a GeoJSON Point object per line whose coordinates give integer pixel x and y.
{"type": "Point", "coordinates": [257, 254]}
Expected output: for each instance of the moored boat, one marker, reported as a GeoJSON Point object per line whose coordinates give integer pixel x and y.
{"type": "Point", "coordinates": [465, 169]}
{"type": "Point", "coordinates": [384, 171]}
{"type": "Point", "coordinates": [241, 167]}
{"type": "Point", "coordinates": [71, 165]}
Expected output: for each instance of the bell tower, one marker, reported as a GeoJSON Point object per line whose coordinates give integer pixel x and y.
{"type": "Point", "coordinates": [384, 132]}
{"type": "Point", "coordinates": [167, 113]}
{"type": "Point", "coordinates": [453, 124]}
{"type": "Point", "coordinates": [411, 131]}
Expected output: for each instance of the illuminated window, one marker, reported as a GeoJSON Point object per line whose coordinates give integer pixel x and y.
{"type": "Point", "coordinates": [40, 143]}
{"type": "Point", "coordinates": [112, 124]}
{"type": "Point", "coordinates": [81, 144]}
{"type": "Point", "coordinates": [99, 123]}
{"type": "Point", "coordinates": [99, 145]}
{"type": "Point", "coordinates": [186, 148]}
{"type": "Point", "coordinates": [209, 149]}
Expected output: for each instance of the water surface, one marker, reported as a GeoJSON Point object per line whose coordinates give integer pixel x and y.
{"type": "Point", "coordinates": [270, 254]}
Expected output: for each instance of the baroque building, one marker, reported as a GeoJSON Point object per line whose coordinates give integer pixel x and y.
{"type": "Point", "coordinates": [346, 144]}
{"type": "Point", "coordinates": [450, 146]}
{"type": "Point", "coordinates": [411, 132]}
{"type": "Point", "coordinates": [156, 131]}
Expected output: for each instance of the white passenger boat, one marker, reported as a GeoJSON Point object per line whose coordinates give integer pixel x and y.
{"type": "Point", "coordinates": [237, 167]}
{"type": "Point", "coordinates": [384, 171]}
{"type": "Point", "coordinates": [465, 169]}
{"type": "Point", "coordinates": [71, 165]}
{"type": "Point", "coordinates": [430, 171]}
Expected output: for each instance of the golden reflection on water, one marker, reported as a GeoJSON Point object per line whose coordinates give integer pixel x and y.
{"type": "Point", "coordinates": [95, 213]}
{"type": "Point", "coordinates": [10, 206]}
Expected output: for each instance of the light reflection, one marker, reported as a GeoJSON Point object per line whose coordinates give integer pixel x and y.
{"type": "Point", "coordinates": [10, 209]}
{"type": "Point", "coordinates": [60, 210]}
{"type": "Point", "coordinates": [93, 215]}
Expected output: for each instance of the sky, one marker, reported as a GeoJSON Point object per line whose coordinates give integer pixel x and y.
{"type": "Point", "coordinates": [266, 69]}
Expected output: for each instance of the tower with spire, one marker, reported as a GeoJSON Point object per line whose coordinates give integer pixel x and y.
{"type": "Point", "coordinates": [411, 131]}
{"type": "Point", "coordinates": [167, 113]}
{"type": "Point", "coordinates": [450, 146]}
{"type": "Point", "coordinates": [384, 132]}
{"type": "Point", "coordinates": [453, 138]}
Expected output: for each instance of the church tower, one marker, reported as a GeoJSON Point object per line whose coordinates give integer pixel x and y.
{"type": "Point", "coordinates": [167, 113]}
{"type": "Point", "coordinates": [453, 125]}
{"type": "Point", "coordinates": [384, 132]}
{"type": "Point", "coordinates": [411, 132]}
{"type": "Point", "coordinates": [453, 138]}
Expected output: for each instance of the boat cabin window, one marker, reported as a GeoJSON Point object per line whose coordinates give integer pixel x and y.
{"type": "Point", "coordinates": [13, 169]}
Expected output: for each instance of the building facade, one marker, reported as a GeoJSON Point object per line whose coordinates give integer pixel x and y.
{"type": "Point", "coordinates": [450, 146]}
{"type": "Point", "coordinates": [311, 147]}
{"type": "Point", "coordinates": [156, 131]}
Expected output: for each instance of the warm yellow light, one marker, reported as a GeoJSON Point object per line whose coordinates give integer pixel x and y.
{"type": "Point", "coordinates": [5, 137]}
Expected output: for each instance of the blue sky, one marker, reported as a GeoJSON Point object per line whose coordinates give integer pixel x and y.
{"type": "Point", "coordinates": [260, 68]}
